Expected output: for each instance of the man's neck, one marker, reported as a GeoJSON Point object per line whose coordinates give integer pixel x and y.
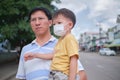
{"type": "Point", "coordinates": [42, 39]}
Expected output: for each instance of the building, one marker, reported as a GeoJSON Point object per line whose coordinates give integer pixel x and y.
{"type": "Point", "coordinates": [114, 36]}
{"type": "Point", "coordinates": [88, 41]}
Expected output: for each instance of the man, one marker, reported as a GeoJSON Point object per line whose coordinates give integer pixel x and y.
{"type": "Point", "coordinates": [37, 69]}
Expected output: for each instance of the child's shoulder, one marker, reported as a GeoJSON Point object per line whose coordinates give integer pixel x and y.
{"type": "Point", "coordinates": [69, 36]}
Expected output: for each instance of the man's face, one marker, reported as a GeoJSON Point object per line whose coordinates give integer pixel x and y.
{"type": "Point", "coordinates": [40, 23]}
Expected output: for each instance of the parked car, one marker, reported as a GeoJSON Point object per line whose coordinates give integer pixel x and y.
{"type": "Point", "coordinates": [2, 49]}
{"type": "Point", "coordinates": [107, 51]}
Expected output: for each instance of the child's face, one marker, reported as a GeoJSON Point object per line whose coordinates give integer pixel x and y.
{"type": "Point", "coordinates": [62, 20]}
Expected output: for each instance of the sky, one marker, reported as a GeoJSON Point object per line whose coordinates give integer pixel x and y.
{"type": "Point", "coordinates": [92, 14]}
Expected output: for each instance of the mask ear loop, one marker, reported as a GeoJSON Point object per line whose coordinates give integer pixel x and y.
{"type": "Point", "coordinates": [66, 26]}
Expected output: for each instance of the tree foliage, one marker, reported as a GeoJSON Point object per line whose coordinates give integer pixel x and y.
{"type": "Point", "coordinates": [13, 19]}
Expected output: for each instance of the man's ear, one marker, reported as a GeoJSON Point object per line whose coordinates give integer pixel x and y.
{"type": "Point", "coordinates": [50, 23]}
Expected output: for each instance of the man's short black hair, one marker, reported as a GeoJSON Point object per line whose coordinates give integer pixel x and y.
{"type": "Point", "coordinates": [45, 10]}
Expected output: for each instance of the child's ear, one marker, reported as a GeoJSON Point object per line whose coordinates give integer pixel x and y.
{"type": "Point", "coordinates": [71, 25]}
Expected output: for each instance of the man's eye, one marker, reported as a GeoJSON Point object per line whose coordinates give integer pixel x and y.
{"type": "Point", "coordinates": [33, 19]}
{"type": "Point", "coordinates": [40, 18]}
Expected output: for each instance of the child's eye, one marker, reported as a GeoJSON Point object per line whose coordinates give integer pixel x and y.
{"type": "Point", "coordinates": [59, 22]}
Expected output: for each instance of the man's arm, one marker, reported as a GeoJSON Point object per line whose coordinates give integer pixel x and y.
{"type": "Point", "coordinates": [81, 72]}
{"type": "Point", "coordinates": [82, 75]}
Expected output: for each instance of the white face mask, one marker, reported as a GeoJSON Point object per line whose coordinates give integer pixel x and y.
{"type": "Point", "coordinates": [59, 30]}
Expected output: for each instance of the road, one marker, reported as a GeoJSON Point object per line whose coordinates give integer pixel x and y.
{"type": "Point", "coordinates": [101, 67]}
{"type": "Point", "coordinates": [8, 70]}
{"type": "Point", "coordinates": [98, 67]}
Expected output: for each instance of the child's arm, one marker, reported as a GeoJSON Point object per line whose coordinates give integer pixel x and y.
{"type": "Point", "coordinates": [47, 56]}
{"type": "Point", "coordinates": [73, 67]}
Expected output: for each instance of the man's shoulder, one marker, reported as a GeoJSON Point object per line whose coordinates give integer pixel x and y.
{"type": "Point", "coordinates": [54, 39]}
{"type": "Point", "coordinates": [27, 46]}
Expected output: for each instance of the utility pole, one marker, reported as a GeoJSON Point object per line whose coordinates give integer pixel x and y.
{"type": "Point", "coordinates": [100, 34]}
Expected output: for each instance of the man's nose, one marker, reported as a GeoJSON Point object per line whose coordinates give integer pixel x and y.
{"type": "Point", "coordinates": [37, 21]}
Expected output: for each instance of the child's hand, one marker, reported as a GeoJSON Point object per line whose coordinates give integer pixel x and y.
{"type": "Point", "coordinates": [29, 56]}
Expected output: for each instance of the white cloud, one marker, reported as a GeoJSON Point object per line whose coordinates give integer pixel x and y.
{"type": "Point", "coordinates": [98, 7]}
{"type": "Point", "coordinates": [103, 11]}
{"type": "Point", "coordinates": [104, 26]}
{"type": "Point", "coordinates": [108, 9]}
{"type": "Point", "coordinates": [113, 20]}
{"type": "Point", "coordinates": [73, 5]}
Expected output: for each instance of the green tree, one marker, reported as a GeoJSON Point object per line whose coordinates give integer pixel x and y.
{"type": "Point", "coordinates": [13, 19]}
